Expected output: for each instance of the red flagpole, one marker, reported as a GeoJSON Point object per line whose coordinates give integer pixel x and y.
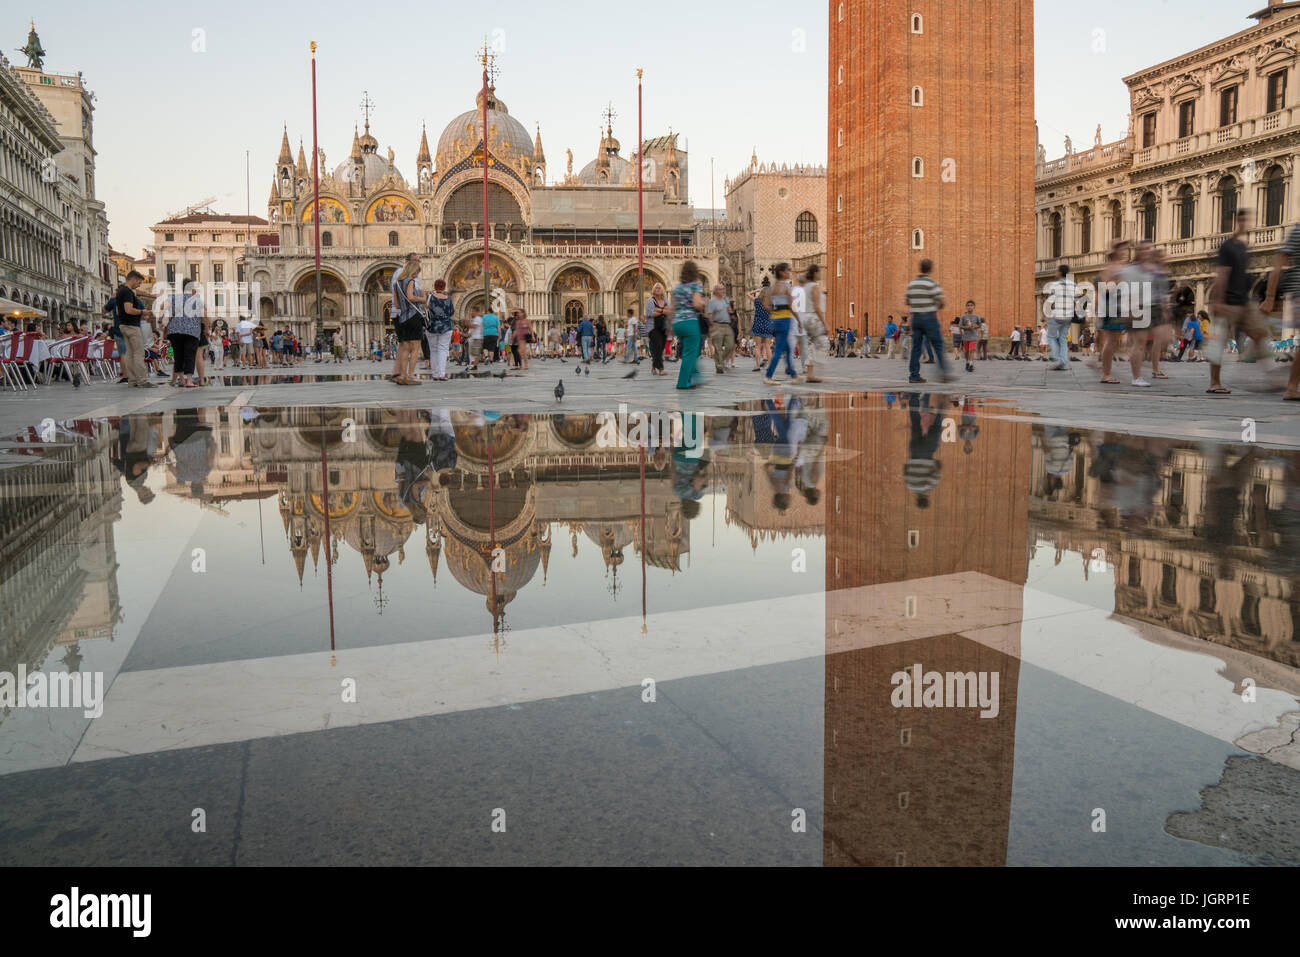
{"type": "Point", "coordinates": [487, 295]}
{"type": "Point", "coordinates": [640, 182]}
{"type": "Point", "coordinates": [315, 186]}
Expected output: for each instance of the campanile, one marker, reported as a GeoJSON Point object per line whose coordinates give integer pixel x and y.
{"type": "Point", "coordinates": [931, 155]}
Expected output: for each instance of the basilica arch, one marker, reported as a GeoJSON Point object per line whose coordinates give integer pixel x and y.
{"type": "Point", "coordinates": [333, 295]}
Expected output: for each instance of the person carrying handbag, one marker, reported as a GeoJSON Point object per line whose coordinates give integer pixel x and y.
{"type": "Point", "coordinates": [411, 322]}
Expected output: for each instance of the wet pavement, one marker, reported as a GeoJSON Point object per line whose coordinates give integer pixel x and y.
{"type": "Point", "coordinates": [816, 628]}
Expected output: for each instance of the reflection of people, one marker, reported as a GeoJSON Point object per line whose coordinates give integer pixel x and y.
{"type": "Point", "coordinates": [921, 472]}
{"type": "Point", "coordinates": [690, 465]}
{"type": "Point", "coordinates": [138, 448]}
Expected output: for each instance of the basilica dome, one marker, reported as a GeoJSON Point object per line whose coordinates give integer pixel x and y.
{"type": "Point", "coordinates": [608, 168]}
{"type": "Point", "coordinates": [374, 167]}
{"type": "Point", "coordinates": [508, 140]}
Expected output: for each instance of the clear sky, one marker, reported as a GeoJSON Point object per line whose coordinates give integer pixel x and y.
{"type": "Point", "coordinates": [172, 123]}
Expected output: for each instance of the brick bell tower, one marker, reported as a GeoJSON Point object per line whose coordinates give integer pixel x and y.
{"type": "Point", "coordinates": [931, 155]}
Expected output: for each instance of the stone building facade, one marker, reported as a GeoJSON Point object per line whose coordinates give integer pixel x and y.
{"type": "Point", "coordinates": [774, 214]}
{"type": "Point", "coordinates": [562, 245]}
{"type": "Point", "coordinates": [1211, 131]}
{"type": "Point", "coordinates": [207, 248]}
{"type": "Point", "coordinates": [86, 267]}
{"type": "Point", "coordinates": [929, 152]}
{"type": "Point", "coordinates": [31, 204]}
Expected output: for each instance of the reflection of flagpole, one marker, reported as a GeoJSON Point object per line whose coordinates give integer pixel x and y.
{"type": "Point", "coordinates": [329, 541]}
{"type": "Point", "coordinates": [259, 514]}
{"type": "Point", "coordinates": [492, 534]}
{"type": "Point", "coordinates": [644, 544]}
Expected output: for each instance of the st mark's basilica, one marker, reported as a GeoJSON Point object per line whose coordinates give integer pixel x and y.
{"type": "Point", "coordinates": [562, 246]}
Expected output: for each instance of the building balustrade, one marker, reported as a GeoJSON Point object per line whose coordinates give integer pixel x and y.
{"type": "Point", "coordinates": [1197, 247]}
{"type": "Point", "coordinates": [592, 251]}
{"type": "Point", "coordinates": [1200, 142]}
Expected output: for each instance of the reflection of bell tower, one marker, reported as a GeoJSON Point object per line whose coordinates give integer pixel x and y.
{"type": "Point", "coordinates": [907, 584]}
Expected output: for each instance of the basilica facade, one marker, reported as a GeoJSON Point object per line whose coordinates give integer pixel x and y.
{"type": "Point", "coordinates": [561, 246]}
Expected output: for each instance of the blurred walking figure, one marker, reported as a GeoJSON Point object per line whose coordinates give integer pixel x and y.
{"type": "Point", "coordinates": [1062, 302]}
{"type": "Point", "coordinates": [777, 300]}
{"type": "Point", "coordinates": [656, 317]}
{"type": "Point", "coordinates": [688, 309]}
{"type": "Point", "coordinates": [1110, 311]}
{"type": "Point", "coordinates": [1290, 290]}
{"type": "Point", "coordinates": [1234, 312]}
{"type": "Point", "coordinates": [813, 319]}
{"type": "Point", "coordinates": [925, 298]}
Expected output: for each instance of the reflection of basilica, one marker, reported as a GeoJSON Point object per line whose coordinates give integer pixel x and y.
{"type": "Point", "coordinates": [58, 564]}
{"type": "Point", "coordinates": [562, 246]}
{"type": "Point", "coordinates": [545, 472]}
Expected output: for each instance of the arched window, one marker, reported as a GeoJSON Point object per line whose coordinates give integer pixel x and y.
{"type": "Point", "coordinates": [1274, 193]}
{"type": "Point", "coordinates": [839, 267]}
{"type": "Point", "coordinates": [1149, 217]}
{"type": "Point", "coordinates": [839, 136]}
{"type": "Point", "coordinates": [918, 167]}
{"type": "Point", "coordinates": [839, 203]}
{"type": "Point", "coordinates": [327, 238]}
{"type": "Point", "coordinates": [918, 98]}
{"type": "Point", "coordinates": [839, 75]}
{"type": "Point", "coordinates": [1054, 234]}
{"type": "Point", "coordinates": [1186, 212]}
{"type": "Point", "coordinates": [1227, 190]}
{"type": "Point", "coordinates": [1116, 220]}
{"type": "Point", "coordinates": [840, 15]}
{"type": "Point", "coordinates": [916, 23]}
{"type": "Point", "coordinates": [805, 228]}
{"type": "Point", "coordinates": [918, 239]}
{"type": "Point", "coordinates": [392, 238]}
{"type": "Point", "coordinates": [1085, 230]}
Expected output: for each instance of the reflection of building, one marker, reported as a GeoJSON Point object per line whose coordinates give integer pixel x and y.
{"type": "Point", "coordinates": [1210, 131]}
{"type": "Point", "coordinates": [929, 151]}
{"type": "Point", "coordinates": [1200, 547]}
{"type": "Point", "coordinates": [547, 472]}
{"type": "Point", "coordinates": [562, 245]}
{"type": "Point", "coordinates": [58, 565]}
{"type": "Point", "coordinates": [926, 546]}
{"type": "Point", "coordinates": [774, 215]}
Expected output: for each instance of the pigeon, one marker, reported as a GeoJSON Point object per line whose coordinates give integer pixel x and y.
{"type": "Point", "coordinates": [461, 375]}
{"type": "Point", "coordinates": [586, 371]}
{"type": "Point", "coordinates": [501, 376]}
{"type": "Point", "coordinates": [631, 375]}
{"type": "Point", "coordinates": [559, 391]}
{"type": "Point", "coordinates": [564, 360]}
{"type": "Point", "coordinates": [578, 371]}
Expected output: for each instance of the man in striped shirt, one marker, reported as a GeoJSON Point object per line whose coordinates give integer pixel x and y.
{"type": "Point", "coordinates": [924, 300]}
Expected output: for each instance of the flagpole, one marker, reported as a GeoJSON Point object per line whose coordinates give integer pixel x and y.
{"type": "Point", "coordinates": [487, 294]}
{"type": "Point", "coordinates": [315, 186]}
{"type": "Point", "coordinates": [640, 235]}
